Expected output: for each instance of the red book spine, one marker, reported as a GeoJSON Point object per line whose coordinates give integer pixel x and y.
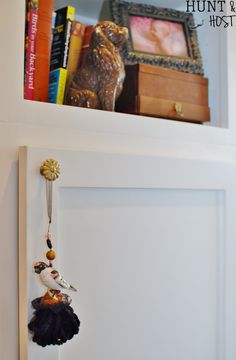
{"type": "Point", "coordinates": [26, 41]}
{"type": "Point", "coordinates": [86, 42]}
{"type": "Point", "coordinates": [43, 50]}
{"type": "Point", "coordinates": [31, 52]}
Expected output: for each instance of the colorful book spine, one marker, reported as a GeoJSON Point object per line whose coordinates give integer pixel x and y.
{"type": "Point", "coordinates": [86, 42]}
{"type": "Point", "coordinates": [61, 38]}
{"type": "Point", "coordinates": [26, 41]}
{"type": "Point", "coordinates": [53, 24]}
{"type": "Point", "coordinates": [30, 54]}
{"type": "Point", "coordinates": [64, 14]}
{"type": "Point", "coordinates": [59, 54]}
{"type": "Point", "coordinates": [43, 50]}
{"type": "Point", "coordinates": [57, 85]}
{"type": "Point", "coordinates": [76, 39]}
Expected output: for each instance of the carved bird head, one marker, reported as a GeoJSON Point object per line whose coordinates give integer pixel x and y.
{"type": "Point", "coordinates": [40, 266]}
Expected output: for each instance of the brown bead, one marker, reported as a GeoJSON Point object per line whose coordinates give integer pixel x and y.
{"type": "Point", "coordinates": [51, 255]}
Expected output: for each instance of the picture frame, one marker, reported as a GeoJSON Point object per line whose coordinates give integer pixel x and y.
{"type": "Point", "coordinates": [158, 36]}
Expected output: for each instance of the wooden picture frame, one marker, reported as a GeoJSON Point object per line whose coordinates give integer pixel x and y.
{"type": "Point", "coordinates": [159, 36]}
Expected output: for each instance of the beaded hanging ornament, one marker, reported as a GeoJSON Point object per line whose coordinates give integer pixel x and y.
{"type": "Point", "coordinates": [54, 321]}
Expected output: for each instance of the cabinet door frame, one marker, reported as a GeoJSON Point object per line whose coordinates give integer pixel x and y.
{"type": "Point", "coordinates": [126, 171]}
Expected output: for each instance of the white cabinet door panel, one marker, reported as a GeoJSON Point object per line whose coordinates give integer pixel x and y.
{"type": "Point", "coordinates": [146, 242]}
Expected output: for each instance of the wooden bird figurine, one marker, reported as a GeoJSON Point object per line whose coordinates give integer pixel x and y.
{"type": "Point", "coordinates": [51, 278]}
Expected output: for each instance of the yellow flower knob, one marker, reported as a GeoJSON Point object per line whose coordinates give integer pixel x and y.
{"type": "Point", "coordinates": [50, 169]}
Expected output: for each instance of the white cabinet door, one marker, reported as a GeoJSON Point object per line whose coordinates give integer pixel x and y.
{"type": "Point", "coordinates": [149, 243]}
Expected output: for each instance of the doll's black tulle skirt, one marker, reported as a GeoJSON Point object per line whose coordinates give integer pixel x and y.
{"type": "Point", "coordinates": [53, 324]}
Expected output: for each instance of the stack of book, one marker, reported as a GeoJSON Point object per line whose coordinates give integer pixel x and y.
{"type": "Point", "coordinates": [55, 47]}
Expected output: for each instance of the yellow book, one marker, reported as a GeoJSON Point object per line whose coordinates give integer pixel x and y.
{"type": "Point", "coordinates": [70, 13]}
{"type": "Point", "coordinates": [76, 40]}
{"type": "Point", "coordinates": [57, 85]}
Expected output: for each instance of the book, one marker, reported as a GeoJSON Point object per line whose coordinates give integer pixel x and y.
{"type": "Point", "coordinates": [59, 54]}
{"type": "Point", "coordinates": [53, 26]}
{"type": "Point", "coordinates": [86, 40]}
{"type": "Point", "coordinates": [27, 15]}
{"type": "Point", "coordinates": [76, 39]}
{"type": "Point", "coordinates": [30, 47]}
{"type": "Point", "coordinates": [61, 37]}
{"type": "Point", "coordinates": [57, 83]}
{"type": "Point", "coordinates": [43, 50]}
{"type": "Point", "coordinates": [67, 12]}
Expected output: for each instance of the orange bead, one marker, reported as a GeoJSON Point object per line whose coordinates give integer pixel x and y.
{"type": "Point", "coordinates": [51, 255]}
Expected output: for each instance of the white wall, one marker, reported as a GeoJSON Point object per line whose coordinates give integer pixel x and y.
{"type": "Point", "coordinates": [42, 125]}
{"type": "Point", "coordinates": [17, 134]}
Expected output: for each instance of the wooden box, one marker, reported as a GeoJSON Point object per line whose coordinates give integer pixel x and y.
{"type": "Point", "coordinates": [165, 93]}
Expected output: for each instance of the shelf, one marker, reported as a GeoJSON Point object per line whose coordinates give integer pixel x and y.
{"type": "Point", "coordinates": [16, 111]}
{"type": "Point", "coordinates": [116, 124]}
{"type": "Point", "coordinates": [213, 48]}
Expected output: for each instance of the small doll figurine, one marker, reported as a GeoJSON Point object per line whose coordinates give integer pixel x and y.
{"type": "Point", "coordinates": [54, 321]}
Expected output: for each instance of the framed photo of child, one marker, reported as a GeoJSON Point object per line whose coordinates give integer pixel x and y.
{"type": "Point", "coordinates": [161, 36]}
